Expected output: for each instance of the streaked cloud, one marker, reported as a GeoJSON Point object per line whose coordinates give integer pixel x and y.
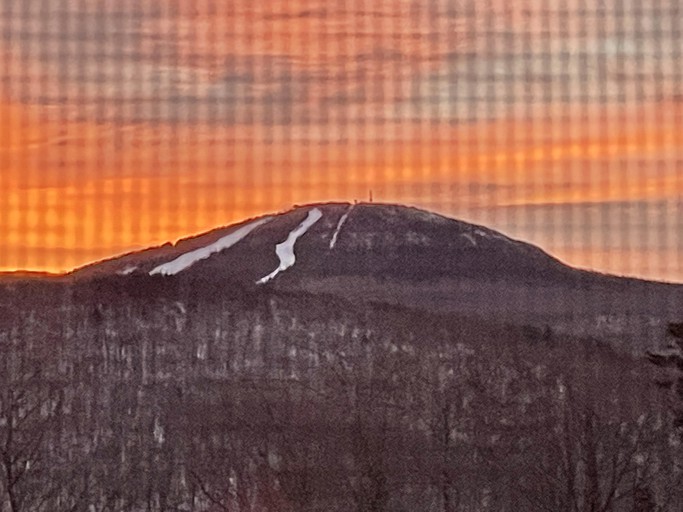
{"type": "Point", "coordinates": [304, 60]}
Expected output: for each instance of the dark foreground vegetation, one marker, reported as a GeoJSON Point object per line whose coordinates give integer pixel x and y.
{"type": "Point", "coordinates": [170, 396]}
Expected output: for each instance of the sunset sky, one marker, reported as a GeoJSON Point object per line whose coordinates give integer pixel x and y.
{"type": "Point", "coordinates": [129, 123]}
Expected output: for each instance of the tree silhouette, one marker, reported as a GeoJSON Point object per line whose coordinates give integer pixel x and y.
{"type": "Point", "coordinates": [671, 361]}
{"type": "Point", "coordinates": [30, 409]}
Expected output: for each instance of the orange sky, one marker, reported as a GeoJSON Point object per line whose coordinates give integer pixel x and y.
{"type": "Point", "coordinates": [183, 116]}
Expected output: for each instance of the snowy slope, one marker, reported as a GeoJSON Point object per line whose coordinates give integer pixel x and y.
{"type": "Point", "coordinates": [340, 225]}
{"type": "Point", "coordinates": [285, 250]}
{"type": "Point", "coordinates": [345, 240]}
{"type": "Point", "coordinates": [188, 259]}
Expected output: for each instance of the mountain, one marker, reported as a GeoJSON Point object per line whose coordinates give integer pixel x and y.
{"type": "Point", "coordinates": [328, 240]}
{"type": "Point", "coordinates": [405, 256]}
{"type": "Point", "coordinates": [422, 362]}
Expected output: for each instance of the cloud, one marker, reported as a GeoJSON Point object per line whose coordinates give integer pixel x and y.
{"type": "Point", "coordinates": [133, 63]}
{"type": "Point", "coordinates": [585, 58]}
{"type": "Point", "coordinates": [310, 61]}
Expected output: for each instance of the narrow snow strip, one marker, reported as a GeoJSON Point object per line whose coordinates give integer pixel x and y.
{"type": "Point", "coordinates": [128, 270]}
{"type": "Point", "coordinates": [285, 250]}
{"type": "Point", "coordinates": [492, 234]}
{"type": "Point", "coordinates": [190, 258]}
{"type": "Point", "coordinates": [470, 238]}
{"type": "Point", "coordinates": [340, 224]}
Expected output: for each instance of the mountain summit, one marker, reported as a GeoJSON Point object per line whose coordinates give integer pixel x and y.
{"type": "Point", "coordinates": [381, 241]}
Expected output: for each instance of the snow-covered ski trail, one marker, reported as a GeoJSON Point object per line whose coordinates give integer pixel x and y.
{"type": "Point", "coordinates": [190, 258]}
{"type": "Point", "coordinates": [285, 250]}
{"type": "Point", "coordinates": [340, 224]}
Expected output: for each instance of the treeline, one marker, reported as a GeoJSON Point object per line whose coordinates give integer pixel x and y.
{"type": "Point", "coordinates": [208, 400]}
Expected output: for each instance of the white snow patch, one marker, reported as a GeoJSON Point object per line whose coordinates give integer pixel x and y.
{"type": "Point", "coordinates": [484, 234]}
{"type": "Point", "coordinates": [470, 238]}
{"type": "Point", "coordinates": [340, 224]}
{"type": "Point", "coordinates": [285, 250]}
{"type": "Point", "coordinates": [159, 436]}
{"type": "Point", "coordinates": [190, 258]}
{"type": "Point", "coordinates": [413, 238]}
{"type": "Point", "coordinates": [128, 270]}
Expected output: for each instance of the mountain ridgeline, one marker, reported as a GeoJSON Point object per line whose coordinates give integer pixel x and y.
{"type": "Point", "coordinates": [404, 256]}
{"type": "Point", "coordinates": [361, 240]}
{"type": "Point", "coordinates": [365, 358]}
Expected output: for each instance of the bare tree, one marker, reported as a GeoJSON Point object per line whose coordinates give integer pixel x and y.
{"type": "Point", "coordinates": [30, 406]}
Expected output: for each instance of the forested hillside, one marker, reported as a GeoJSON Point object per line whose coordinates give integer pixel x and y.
{"type": "Point", "coordinates": [189, 396]}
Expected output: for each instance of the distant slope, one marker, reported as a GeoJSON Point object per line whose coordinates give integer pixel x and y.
{"type": "Point", "coordinates": [405, 256]}
{"type": "Point", "coordinates": [376, 240]}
